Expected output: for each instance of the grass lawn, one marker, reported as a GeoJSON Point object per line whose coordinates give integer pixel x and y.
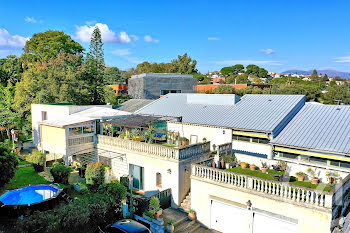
{"type": "Point", "coordinates": [22, 162]}
{"type": "Point", "coordinates": [270, 176]}
{"type": "Point", "coordinates": [166, 144]}
{"type": "Point", "coordinates": [25, 176]}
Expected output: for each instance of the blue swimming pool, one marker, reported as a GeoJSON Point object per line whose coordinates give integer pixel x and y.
{"type": "Point", "coordinates": [29, 195]}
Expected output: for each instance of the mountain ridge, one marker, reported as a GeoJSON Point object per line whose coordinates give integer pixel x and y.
{"type": "Point", "coordinates": [329, 72]}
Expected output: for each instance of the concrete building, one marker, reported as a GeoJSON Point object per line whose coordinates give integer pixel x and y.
{"type": "Point", "coordinates": [155, 85]}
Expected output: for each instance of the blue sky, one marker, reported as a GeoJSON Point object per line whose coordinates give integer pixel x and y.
{"type": "Point", "coordinates": [277, 35]}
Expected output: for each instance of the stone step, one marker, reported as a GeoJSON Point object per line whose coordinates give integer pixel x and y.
{"type": "Point", "coordinates": [187, 226]}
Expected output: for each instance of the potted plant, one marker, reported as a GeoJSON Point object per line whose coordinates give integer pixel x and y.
{"type": "Point", "coordinates": [252, 167]}
{"type": "Point", "coordinates": [244, 165]}
{"type": "Point", "coordinates": [170, 226]}
{"type": "Point", "coordinates": [192, 214]}
{"type": "Point", "coordinates": [300, 175]}
{"type": "Point", "coordinates": [184, 141]}
{"type": "Point", "coordinates": [204, 139]}
{"type": "Point", "coordinates": [264, 167]}
{"type": "Point", "coordinates": [154, 206]}
{"type": "Point", "coordinates": [312, 173]}
{"type": "Point", "coordinates": [37, 158]}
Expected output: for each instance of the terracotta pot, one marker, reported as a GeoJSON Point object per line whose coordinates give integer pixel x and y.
{"type": "Point", "coordinates": [192, 216]}
{"type": "Point", "coordinates": [252, 167]}
{"type": "Point", "coordinates": [157, 215]}
{"type": "Point", "coordinates": [184, 143]}
{"type": "Point", "coordinates": [331, 180]}
{"type": "Point", "coordinates": [264, 169]}
{"type": "Point", "coordinates": [244, 165]}
{"type": "Point", "coordinates": [301, 178]}
{"type": "Point", "coordinates": [314, 181]}
{"type": "Point", "coordinates": [222, 164]}
{"type": "Point", "coordinates": [213, 165]}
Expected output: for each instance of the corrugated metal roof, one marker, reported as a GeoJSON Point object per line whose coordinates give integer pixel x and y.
{"type": "Point", "coordinates": [264, 113]}
{"type": "Point", "coordinates": [134, 105]}
{"type": "Point", "coordinates": [320, 127]}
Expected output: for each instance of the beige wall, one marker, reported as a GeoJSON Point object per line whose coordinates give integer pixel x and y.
{"type": "Point", "coordinates": [53, 139]}
{"type": "Point", "coordinates": [213, 134]}
{"type": "Point", "coordinates": [315, 219]}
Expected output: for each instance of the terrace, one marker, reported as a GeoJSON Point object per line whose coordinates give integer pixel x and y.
{"type": "Point", "coordinates": [283, 188]}
{"type": "Point", "coordinates": [148, 135]}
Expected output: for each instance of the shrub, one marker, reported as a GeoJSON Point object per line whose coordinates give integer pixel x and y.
{"type": "Point", "coordinates": [154, 205]}
{"type": "Point", "coordinates": [38, 160]}
{"type": "Point", "coordinates": [60, 173]}
{"type": "Point", "coordinates": [115, 192]}
{"type": "Point", "coordinates": [301, 174]}
{"type": "Point", "coordinates": [95, 176]}
{"type": "Point", "coordinates": [8, 163]}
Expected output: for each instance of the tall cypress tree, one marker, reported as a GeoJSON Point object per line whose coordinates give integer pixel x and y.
{"type": "Point", "coordinates": [96, 67]}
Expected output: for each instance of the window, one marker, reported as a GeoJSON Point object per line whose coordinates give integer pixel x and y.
{"type": "Point", "coordinates": [243, 138]}
{"type": "Point", "coordinates": [318, 160]}
{"type": "Point", "coordinates": [43, 115]}
{"type": "Point", "coordinates": [159, 180]}
{"type": "Point", "coordinates": [339, 163]}
{"type": "Point", "coordinates": [164, 92]}
{"type": "Point", "coordinates": [289, 156]}
{"type": "Point", "coordinates": [137, 173]}
{"type": "Point", "coordinates": [75, 131]}
{"type": "Point", "coordinates": [88, 129]}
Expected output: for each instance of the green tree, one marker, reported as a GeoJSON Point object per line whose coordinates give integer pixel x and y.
{"type": "Point", "coordinates": [113, 75]}
{"type": "Point", "coordinates": [46, 45]}
{"type": "Point", "coordinates": [224, 89]}
{"type": "Point", "coordinates": [337, 93]}
{"type": "Point", "coordinates": [226, 71]}
{"type": "Point", "coordinates": [8, 120]}
{"type": "Point", "coordinates": [8, 163]}
{"type": "Point", "coordinates": [238, 68]}
{"type": "Point", "coordinates": [325, 78]}
{"type": "Point", "coordinates": [231, 79]}
{"type": "Point", "coordinates": [314, 75]}
{"type": "Point", "coordinates": [10, 70]}
{"type": "Point", "coordinates": [241, 79]}
{"type": "Point", "coordinates": [263, 73]}
{"type": "Point", "coordinates": [184, 65]}
{"type": "Point", "coordinates": [252, 69]}
{"type": "Point", "coordinates": [96, 68]}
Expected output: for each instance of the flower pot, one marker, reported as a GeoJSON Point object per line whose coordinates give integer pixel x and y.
{"type": "Point", "coordinates": [184, 143]}
{"type": "Point", "coordinates": [314, 180]}
{"type": "Point", "coordinates": [192, 216]}
{"type": "Point", "coordinates": [252, 167]}
{"type": "Point", "coordinates": [170, 228]}
{"type": "Point", "coordinates": [213, 165]}
{"type": "Point", "coordinates": [301, 178]}
{"type": "Point", "coordinates": [157, 215]}
{"type": "Point", "coordinates": [264, 169]}
{"type": "Point", "coordinates": [331, 180]}
{"type": "Point", "coordinates": [227, 165]}
{"type": "Point", "coordinates": [244, 165]}
{"type": "Point", "coordinates": [222, 163]}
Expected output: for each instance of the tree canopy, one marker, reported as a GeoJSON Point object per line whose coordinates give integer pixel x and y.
{"type": "Point", "coordinates": [224, 89]}
{"type": "Point", "coordinates": [46, 45]}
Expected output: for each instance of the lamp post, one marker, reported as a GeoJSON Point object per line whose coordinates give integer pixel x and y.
{"type": "Point", "coordinates": [131, 201]}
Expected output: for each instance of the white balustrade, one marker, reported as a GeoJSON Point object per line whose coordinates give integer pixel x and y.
{"type": "Point", "coordinates": [155, 149]}
{"type": "Point", "coordinates": [283, 190]}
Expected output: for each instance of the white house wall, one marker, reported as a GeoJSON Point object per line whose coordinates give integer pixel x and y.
{"type": "Point", "coordinates": [215, 135]}
{"type": "Point", "coordinates": [252, 147]}
{"type": "Point", "coordinates": [309, 219]}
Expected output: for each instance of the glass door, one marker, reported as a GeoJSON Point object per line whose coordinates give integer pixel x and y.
{"type": "Point", "coordinates": [137, 173]}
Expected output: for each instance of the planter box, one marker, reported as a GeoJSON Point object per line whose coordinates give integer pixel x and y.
{"type": "Point", "coordinates": [158, 221]}
{"type": "Point", "coordinates": [147, 218]}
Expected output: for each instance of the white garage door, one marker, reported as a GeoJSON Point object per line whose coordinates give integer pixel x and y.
{"type": "Point", "coordinates": [274, 225]}
{"type": "Point", "coordinates": [227, 218]}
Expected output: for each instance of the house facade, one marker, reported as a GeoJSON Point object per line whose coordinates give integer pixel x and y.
{"type": "Point", "coordinates": [155, 85]}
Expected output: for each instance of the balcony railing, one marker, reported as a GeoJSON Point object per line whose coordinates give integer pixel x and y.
{"type": "Point", "coordinates": [285, 191]}
{"type": "Point", "coordinates": [167, 152]}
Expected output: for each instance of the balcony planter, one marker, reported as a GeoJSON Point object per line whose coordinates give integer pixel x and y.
{"type": "Point", "coordinates": [314, 180]}
{"type": "Point", "coordinates": [264, 169]}
{"type": "Point", "coordinates": [244, 165]}
{"type": "Point", "coordinates": [252, 167]}
{"type": "Point", "coordinates": [192, 214]}
{"type": "Point", "coordinates": [300, 176]}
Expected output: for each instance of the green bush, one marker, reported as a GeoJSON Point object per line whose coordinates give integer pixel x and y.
{"type": "Point", "coordinates": [8, 163]}
{"type": "Point", "coordinates": [115, 192]}
{"type": "Point", "coordinates": [95, 176]}
{"type": "Point", "coordinates": [38, 160]}
{"type": "Point", "coordinates": [60, 173]}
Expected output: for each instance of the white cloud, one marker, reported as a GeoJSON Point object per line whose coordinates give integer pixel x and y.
{"type": "Point", "coordinates": [149, 39]}
{"type": "Point", "coordinates": [91, 22]}
{"type": "Point", "coordinates": [8, 41]}
{"type": "Point", "coordinates": [247, 62]}
{"type": "Point", "coordinates": [84, 32]}
{"type": "Point", "coordinates": [121, 52]}
{"type": "Point", "coordinates": [342, 59]}
{"type": "Point", "coordinates": [134, 37]}
{"type": "Point", "coordinates": [213, 38]}
{"type": "Point", "coordinates": [267, 51]}
{"type": "Point", "coordinates": [32, 20]}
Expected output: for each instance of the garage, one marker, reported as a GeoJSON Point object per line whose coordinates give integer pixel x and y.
{"type": "Point", "coordinates": [227, 218]}
{"type": "Point", "coordinates": [275, 225]}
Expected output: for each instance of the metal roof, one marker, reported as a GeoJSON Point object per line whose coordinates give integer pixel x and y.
{"type": "Point", "coordinates": [133, 105]}
{"type": "Point", "coordinates": [135, 120]}
{"type": "Point", "coordinates": [265, 113]}
{"type": "Point", "coordinates": [320, 127]}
